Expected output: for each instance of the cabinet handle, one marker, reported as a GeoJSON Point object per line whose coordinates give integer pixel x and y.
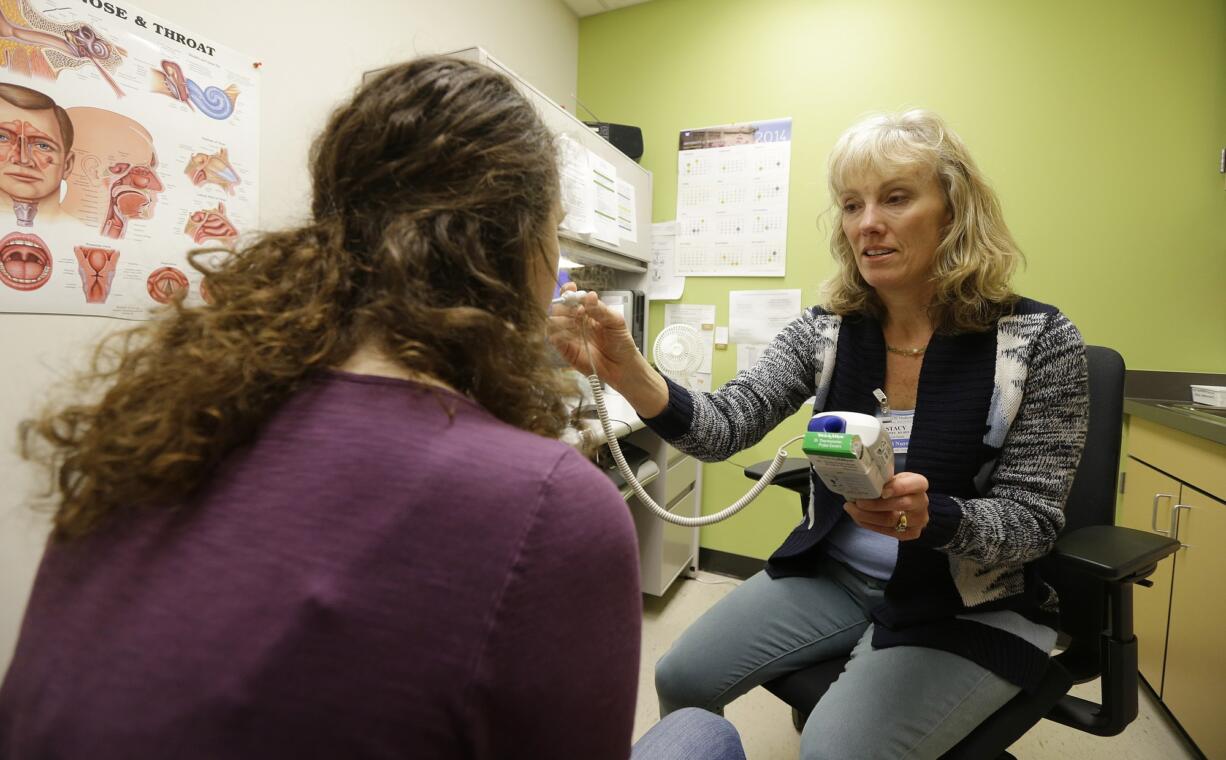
{"type": "Point", "coordinates": [1153, 517]}
{"type": "Point", "coordinates": [1174, 531]}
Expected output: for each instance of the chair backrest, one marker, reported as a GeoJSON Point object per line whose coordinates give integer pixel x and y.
{"type": "Point", "coordinates": [1091, 502]}
{"type": "Point", "coordinates": [1082, 599]}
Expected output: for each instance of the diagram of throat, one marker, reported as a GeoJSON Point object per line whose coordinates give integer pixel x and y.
{"type": "Point", "coordinates": [25, 261]}
{"type": "Point", "coordinates": [133, 195]}
{"type": "Point", "coordinates": [25, 211]}
{"type": "Point", "coordinates": [96, 266]}
{"type": "Point", "coordinates": [165, 283]}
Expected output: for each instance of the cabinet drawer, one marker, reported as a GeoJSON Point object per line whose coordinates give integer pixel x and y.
{"type": "Point", "coordinates": [680, 477]}
{"type": "Point", "coordinates": [665, 550]}
{"type": "Point", "coordinates": [1195, 683]}
{"type": "Point", "coordinates": [677, 548]}
{"type": "Point", "coordinates": [1148, 500]}
{"type": "Point", "coordinates": [1193, 460]}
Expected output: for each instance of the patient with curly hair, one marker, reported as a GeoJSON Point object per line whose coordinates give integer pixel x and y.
{"type": "Point", "coordinates": [327, 515]}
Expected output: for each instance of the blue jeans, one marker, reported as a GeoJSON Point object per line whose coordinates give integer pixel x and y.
{"type": "Point", "coordinates": [900, 702]}
{"type": "Point", "coordinates": [690, 734]}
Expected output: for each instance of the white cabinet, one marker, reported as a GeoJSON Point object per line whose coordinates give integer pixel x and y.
{"type": "Point", "coordinates": [666, 550]}
{"type": "Point", "coordinates": [1176, 484]}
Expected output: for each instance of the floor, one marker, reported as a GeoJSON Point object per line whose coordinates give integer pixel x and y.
{"type": "Point", "coordinates": [765, 724]}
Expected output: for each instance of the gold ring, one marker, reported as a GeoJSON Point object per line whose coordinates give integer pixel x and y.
{"type": "Point", "coordinates": [901, 527]}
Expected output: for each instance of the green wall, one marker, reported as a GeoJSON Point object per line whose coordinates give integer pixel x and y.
{"type": "Point", "coordinates": [1099, 122]}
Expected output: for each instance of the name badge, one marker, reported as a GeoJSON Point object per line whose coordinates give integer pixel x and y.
{"type": "Point", "coordinates": [897, 425]}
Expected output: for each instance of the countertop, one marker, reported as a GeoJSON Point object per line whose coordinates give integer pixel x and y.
{"type": "Point", "coordinates": [1185, 422]}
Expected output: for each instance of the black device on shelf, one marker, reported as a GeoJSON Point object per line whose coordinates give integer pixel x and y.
{"type": "Point", "coordinates": [627, 139]}
{"type": "Point", "coordinates": [634, 455]}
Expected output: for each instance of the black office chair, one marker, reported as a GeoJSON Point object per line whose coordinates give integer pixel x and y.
{"type": "Point", "coordinates": [1092, 568]}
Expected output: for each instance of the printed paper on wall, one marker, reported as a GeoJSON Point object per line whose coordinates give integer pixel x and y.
{"type": "Point", "coordinates": [126, 140]}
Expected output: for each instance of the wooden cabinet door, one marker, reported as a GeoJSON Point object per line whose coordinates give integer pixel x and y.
{"type": "Point", "coordinates": [1195, 682]}
{"type": "Point", "coordinates": [1148, 499]}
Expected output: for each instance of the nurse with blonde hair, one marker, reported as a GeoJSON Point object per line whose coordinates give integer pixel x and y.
{"type": "Point", "coordinates": [931, 587]}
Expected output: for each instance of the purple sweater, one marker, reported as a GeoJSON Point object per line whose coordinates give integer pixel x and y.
{"type": "Point", "coordinates": [386, 572]}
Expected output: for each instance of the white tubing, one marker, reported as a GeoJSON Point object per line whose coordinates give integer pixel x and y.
{"type": "Point", "coordinates": [656, 509]}
{"type": "Point", "coordinates": [690, 522]}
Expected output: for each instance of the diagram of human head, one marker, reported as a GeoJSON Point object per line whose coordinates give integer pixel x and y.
{"type": "Point", "coordinates": [36, 140]}
{"type": "Point", "coordinates": [114, 178]}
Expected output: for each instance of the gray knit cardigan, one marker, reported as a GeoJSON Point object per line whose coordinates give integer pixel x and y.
{"type": "Point", "coordinates": [999, 427]}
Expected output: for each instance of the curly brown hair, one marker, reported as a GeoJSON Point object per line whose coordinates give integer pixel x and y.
{"type": "Point", "coordinates": [434, 191]}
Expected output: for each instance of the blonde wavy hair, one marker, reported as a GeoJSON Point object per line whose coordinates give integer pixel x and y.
{"type": "Point", "coordinates": [977, 255]}
{"type": "Point", "coordinates": [434, 190]}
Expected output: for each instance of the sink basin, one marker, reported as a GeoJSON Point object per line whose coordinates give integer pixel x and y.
{"type": "Point", "coordinates": [1209, 413]}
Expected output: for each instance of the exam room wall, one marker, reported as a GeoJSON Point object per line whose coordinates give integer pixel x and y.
{"type": "Point", "coordinates": [1099, 123]}
{"type": "Point", "coordinates": [313, 53]}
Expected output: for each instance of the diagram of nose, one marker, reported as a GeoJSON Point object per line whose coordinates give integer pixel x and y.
{"type": "Point", "coordinates": [145, 179]}
{"type": "Point", "coordinates": [150, 181]}
{"type": "Point", "coordinates": [210, 224]}
{"type": "Point", "coordinates": [23, 156]}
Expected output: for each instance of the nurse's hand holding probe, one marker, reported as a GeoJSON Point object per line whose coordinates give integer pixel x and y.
{"type": "Point", "coordinates": [595, 341]}
{"type": "Point", "coordinates": [618, 362]}
{"type": "Point", "coordinates": [900, 513]}
{"type": "Point", "coordinates": [902, 510]}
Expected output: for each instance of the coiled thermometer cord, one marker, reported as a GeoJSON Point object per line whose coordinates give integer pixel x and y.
{"type": "Point", "coordinates": [574, 298]}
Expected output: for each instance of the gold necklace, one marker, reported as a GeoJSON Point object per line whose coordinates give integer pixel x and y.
{"type": "Point", "coordinates": [906, 351]}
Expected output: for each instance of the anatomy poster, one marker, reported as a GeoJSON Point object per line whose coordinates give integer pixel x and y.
{"type": "Point", "coordinates": [126, 141]}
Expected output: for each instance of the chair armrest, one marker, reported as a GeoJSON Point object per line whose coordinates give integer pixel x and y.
{"type": "Point", "coordinates": [1113, 553]}
{"type": "Point", "coordinates": [794, 474]}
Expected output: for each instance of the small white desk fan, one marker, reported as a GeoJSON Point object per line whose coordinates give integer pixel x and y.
{"type": "Point", "coordinates": [678, 353]}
